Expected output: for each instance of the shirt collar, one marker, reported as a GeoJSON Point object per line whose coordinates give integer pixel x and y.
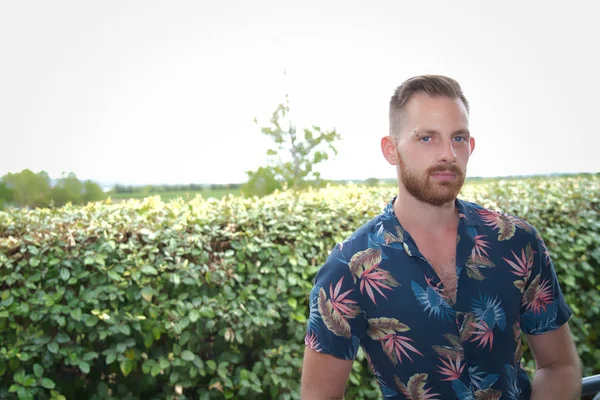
{"type": "Point", "coordinates": [466, 212]}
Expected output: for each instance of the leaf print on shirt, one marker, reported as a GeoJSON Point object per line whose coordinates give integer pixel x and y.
{"type": "Point", "coordinates": [467, 328]}
{"type": "Point", "coordinates": [364, 265]}
{"type": "Point", "coordinates": [432, 300]}
{"type": "Point", "coordinates": [376, 278]}
{"type": "Point", "coordinates": [522, 266]}
{"type": "Point", "coordinates": [520, 223]}
{"type": "Point", "coordinates": [481, 380]}
{"type": "Point", "coordinates": [462, 392]}
{"type": "Point", "coordinates": [538, 295]}
{"type": "Point", "coordinates": [381, 236]}
{"type": "Point", "coordinates": [482, 334]}
{"type": "Point", "coordinates": [451, 369]}
{"type": "Point", "coordinates": [333, 320]}
{"type": "Point", "coordinates": [312, 342]}
{"type": "Point", "coordinates": [339, 302]}
{"type": "Point", "coordinates": [364, 260]}
{"type": "Point", "coordinates": [518, 343]}
{"type": "Point", "coordinates": [385, 389]}
{"type": "Point", "coordinates": [503, 222]}
{"type": "Point", "coordinates": [415, 388]}
{"type": "Point", "coordinates": [451, 357]}
{"type": "Point", "coordinates": [474, 263]}
{"type": "Point", "coordinates": [488, 394]}
{"type": "Point", "coordinates": [481, 245]}
{"type": "Point", "coordinates": [544, 322]}
{"type": "Point", "coordinates": [512, 378]}
{"type": "Point", "coordinates": [454, 350]}
{"type": "Point", "coordinates": [489, 309]}
{"type": "Point", "coordinates": [489, 314]}
{"type": "Point", "coordinates": [391, 238]}
{"type": "Point", "coordinates": [385, 331]}
{"type": "Point", "coordinates": [500, 222]}
{"type": "Point", "coordinates": [543, 248]}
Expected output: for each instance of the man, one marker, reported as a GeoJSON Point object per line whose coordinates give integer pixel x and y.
{"type": "Point", "coordinates": [434, 289]}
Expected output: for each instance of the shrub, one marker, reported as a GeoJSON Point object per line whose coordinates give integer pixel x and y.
{"type": "Point", "coordinates": [209, 299]}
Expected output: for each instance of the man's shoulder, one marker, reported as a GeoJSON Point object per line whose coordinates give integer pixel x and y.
{"type": "Point", "coordinates": [359, 239]}
{"type": "Point", "coordinates": [505, 224]}
{"type": "Point", "coordinates": [338, 262]}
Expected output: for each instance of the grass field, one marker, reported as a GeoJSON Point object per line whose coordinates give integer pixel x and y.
{"type": "Point", "coordinates": [166, 196]}
{"type": "Point", "coordinates": [218, 193]}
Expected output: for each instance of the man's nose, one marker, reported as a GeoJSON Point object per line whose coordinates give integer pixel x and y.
{"type": "Point", "coordinates": [447, 152]}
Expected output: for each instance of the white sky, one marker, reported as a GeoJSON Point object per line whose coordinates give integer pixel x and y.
{"type": "Point", "coordinates": [165, 92]}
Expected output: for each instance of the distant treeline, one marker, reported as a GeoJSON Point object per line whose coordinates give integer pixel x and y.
{"type": "Point", "coordinates": [32, 190]}
{"type": "Point", "coordinates": [192, 187]}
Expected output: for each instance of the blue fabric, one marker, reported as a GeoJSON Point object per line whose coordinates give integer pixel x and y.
{"type": "Point", "coordinates": [378, 292]}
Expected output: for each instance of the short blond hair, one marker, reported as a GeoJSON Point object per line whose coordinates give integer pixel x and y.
{"type": "Point", "coordinates": [432, 85]}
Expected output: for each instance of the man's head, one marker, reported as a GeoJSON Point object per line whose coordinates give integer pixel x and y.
{"type": "Point", "coordinates": [431, 85]}
{"type": "Point", "coordinates": [429, 139]}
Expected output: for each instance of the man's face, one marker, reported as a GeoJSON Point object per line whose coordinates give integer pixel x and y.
{"type": "Point", "coordinates": [433, 148]}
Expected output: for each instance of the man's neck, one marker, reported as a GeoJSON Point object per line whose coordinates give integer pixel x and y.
{"type": "Point", "coordinates": [418, 217]}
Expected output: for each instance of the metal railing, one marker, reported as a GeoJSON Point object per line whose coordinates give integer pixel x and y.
{"type": "Point", "coordinates": [590, 385]}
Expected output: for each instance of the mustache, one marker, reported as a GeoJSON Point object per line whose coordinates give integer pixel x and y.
{"type": "Point", "coordinates": [445, 168]}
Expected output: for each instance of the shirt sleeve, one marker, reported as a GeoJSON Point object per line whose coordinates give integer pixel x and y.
{"type": "Point", "coordinates": [543, 306]}
{"type": "Point", "coordinates": [336, 324]}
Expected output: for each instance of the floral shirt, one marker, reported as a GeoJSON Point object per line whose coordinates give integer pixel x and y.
{"type": "Point", "coordinates": [378, 292]}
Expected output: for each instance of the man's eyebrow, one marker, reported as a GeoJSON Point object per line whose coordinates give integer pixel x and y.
{"type": "Point", "coordinates": [462, 132]}
{"type": "Point", "coordinates": [419, 132]}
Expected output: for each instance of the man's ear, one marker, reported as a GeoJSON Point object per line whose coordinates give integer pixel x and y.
{"type": "Point", "coordinates": [388, 148]}
{"type": "Point", "coordinates": [472, 144]}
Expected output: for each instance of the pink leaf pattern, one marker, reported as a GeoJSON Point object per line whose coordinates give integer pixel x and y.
{"type": "Point", "coordinates": [451, 369]}
{"type": "Point", "coordinates": [376, 279]}
{"type": "Point", "coordinates": [481, 245]}
{"type": "Point", "coordinates": [483, 335]}
{"type": "Point", "coordinates": [346, 307]}
{"type": "Point", "coordinates": [538, 295]}
{"type": "Point", "coordinates": [364, 260]}
{"type": "Point", "coordinates": [312, 342]}
{"type": "Point", "coordinates": [504, 225]}
{"type": "Point", "coordinates": [414, 389]}
{"type": "Point", "coordinates": [332, 319]}
{"type": "Point", "coordinates": [385, 330]}
{"type": "Point", "coordinates": [522, 266]}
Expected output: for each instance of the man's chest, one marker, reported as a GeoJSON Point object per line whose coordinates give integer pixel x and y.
{"type": "Point", "coordinates": [437, 285]}
{"type": "Point", "coordinates": [424, 315]}
{"type": "Point", "coordinates": [441, 256]}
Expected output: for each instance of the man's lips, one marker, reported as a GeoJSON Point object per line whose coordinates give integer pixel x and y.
{"type": "Point", "coordinates": [444, 175]}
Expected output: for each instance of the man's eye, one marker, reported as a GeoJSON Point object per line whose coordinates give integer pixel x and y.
{"type": "Point", "coordinates": [425, 139]}
{"type": "Point", "coordinates": [460, 139]}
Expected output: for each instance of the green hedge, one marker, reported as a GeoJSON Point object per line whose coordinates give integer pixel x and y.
{"type": "Point", "coordinates": [209, 299]}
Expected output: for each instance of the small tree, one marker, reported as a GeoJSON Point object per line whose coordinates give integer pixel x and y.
{"type": "Point", "coordinates": [6, 194]}
{"type": "Point", "coordinates": [92, 192]}
{"type": "Point", "coordinates": [67, 189]}
{"type": "Point", "coordinates": [29, 189]}
{"type": "Point", "coordinates": [261, 182]}
{"type": "Point", "coordinates": [372, 182]}
{"type": "Point", "coordinates": [293, 159]}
